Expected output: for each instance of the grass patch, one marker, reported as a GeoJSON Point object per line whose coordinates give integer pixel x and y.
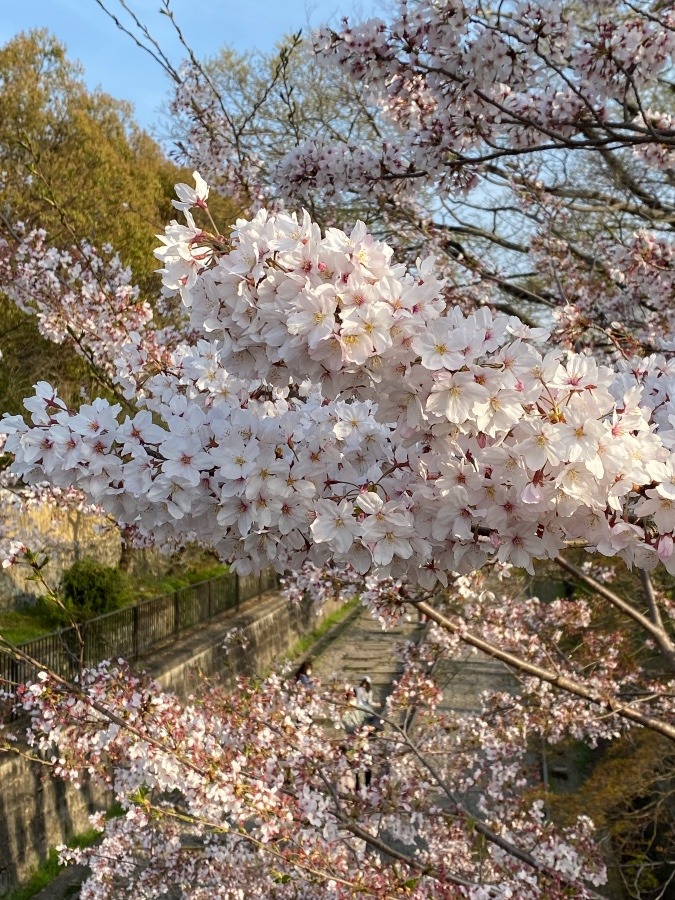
{"type": "Point", "coordinates": [20, 626]}
{"type": "Point", "coordinates": [147, 588]}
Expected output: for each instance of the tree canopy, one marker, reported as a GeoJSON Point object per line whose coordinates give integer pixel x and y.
{"type": "Point", "coordinates": [75, 164]}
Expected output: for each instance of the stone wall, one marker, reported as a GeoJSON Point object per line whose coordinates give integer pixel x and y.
{"type": "Point", "coordinates": [65, 535]}
{"type": "Point", "coordinates": [68, 535]}
{"type": "Point", "coordinates": [38, 812]}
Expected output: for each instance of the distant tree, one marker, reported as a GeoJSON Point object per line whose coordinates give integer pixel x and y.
{"type": "Point", "coordinates": [74, 160]}
{"type": "Point", "coordinates": [236, 115]}
{"type": "Point", "coordinates": [74, 163]}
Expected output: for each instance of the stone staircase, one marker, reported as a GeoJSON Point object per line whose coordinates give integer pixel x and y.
{"type": "Point", "coordinates": [365, 649]}
{"type": "Point", "coordinates": [464, 677]}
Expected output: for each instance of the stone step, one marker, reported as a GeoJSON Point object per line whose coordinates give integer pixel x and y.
{"type": "Point", "coordinates": [373, 659]}
{"type": "Point", "coordinates": [366, 656]}
{"type": "Point", "coordinates": [379, 661]}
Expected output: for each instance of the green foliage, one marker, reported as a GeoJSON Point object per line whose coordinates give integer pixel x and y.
{"type": "Point", "coordinates": [627, 791]}
{"type": "Point", "coordinates": [90, 589]}
{"type": "Point", "coordinates": [74, 162]}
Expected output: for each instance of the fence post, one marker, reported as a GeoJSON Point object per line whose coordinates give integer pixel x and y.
{"type": "Point", "coordinates": [210, 599]}
{"type": "Point", "coordinates": [134, 629]}
{"type": "Point", "coordinates": [176, 613]}
{"type": "Point", "coordinates": [86, 656]}
{"type": "Point", "coordinates": [237, 590]}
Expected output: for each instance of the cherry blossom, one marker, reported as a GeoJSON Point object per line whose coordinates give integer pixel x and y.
{"type": "Point", "coordinates": [358, 407]}
{"type": "Point", "coordinates": [540, 439]}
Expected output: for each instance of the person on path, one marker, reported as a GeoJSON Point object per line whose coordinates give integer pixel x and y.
{"type": "Point", "coordinates": [352, 719]}
{"type": "Point", "coordinates": [354, 716]}
{"type": "Point", "coordinates": [364, 698]}
{"type": "Point", "coordinates": [304, 674]}
{"type": "Point", "coordinates": [364, 695]}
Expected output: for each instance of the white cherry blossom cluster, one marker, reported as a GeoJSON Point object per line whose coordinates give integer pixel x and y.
{"type": "Point", "coordinates": [23, 543]}
{"type": "Point", "coordinates": [336, 409]}
{"type": "Point", "coordinates": [84, 298]}
{"type": "Point", "coordinates": [467, 83]}
{"type": "Point", "coordinates": [656, 155]}
{"type": "Point", "coordinates": [490, 101]}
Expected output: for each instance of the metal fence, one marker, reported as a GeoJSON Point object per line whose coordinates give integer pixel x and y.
{"type": "Point", "coordinates": [129, 633]}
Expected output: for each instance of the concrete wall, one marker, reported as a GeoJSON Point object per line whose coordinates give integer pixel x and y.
{"type": "Point", "coordinates": [37, 812]}
{"type": "Point", "coordinates": [267, 629]}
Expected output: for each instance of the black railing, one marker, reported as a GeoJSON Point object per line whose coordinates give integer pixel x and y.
{"type": "Point", "coordinates": [130, 632]}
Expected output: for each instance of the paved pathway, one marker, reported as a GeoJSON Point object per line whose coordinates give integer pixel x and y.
{"type": "Point", "coordinates": [364, 649]}
{"type": "Point", "coordinates": [466, 676]}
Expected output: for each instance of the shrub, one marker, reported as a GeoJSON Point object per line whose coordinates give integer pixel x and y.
{"type": "Point", "coordinates": [90, 589]}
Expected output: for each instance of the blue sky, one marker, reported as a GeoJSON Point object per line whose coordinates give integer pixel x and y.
{"type": "Point", "coordinates": [114, 63]}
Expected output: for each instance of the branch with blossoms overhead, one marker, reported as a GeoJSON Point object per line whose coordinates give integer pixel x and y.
{"type": "Point", "coordinates": [605, 670]}
{"type": "Point", "coordinates": [519, 103]}
{"type": "Point", "coordinates": [528, 147]}
{"type": "Point", "coordinates": [336, 408]}
{"type": "Point", "coordinates": [491, 83]}
{"type": "Point", "coordinates": [368, 423]}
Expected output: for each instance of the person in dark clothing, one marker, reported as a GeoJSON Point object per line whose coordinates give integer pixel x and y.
{"type": "Point", "coordinates": [304, 674]}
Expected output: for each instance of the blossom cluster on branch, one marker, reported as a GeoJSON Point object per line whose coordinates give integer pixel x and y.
{"type": "Point", "coordinates": [469, 84]}
{"type": "Point", "coordinates": [252, 793]}
{"type": "Point", "coordinates": [525, 145]}
{"type": "Point", "coordinates": [336, 408]}
{"type": "Point", "coordinates": [87, 299]}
